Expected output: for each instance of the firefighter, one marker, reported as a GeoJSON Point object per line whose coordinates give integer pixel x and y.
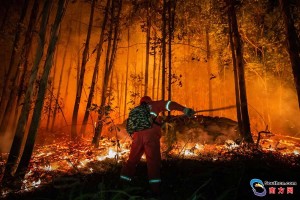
{"type": "Point", "coordinates": [148, 142]}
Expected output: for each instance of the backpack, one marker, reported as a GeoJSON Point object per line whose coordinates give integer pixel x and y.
{"type": "Point", "coordinates": [139, 119]}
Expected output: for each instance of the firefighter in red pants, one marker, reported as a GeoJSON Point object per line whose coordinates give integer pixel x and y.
{"type": "Point", "coordinates": [147, 141]}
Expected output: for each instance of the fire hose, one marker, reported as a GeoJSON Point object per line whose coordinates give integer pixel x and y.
{"type": "Point", "coordinates": [216, 109]}
{"type": "Point", "coordinates": [198, 111]}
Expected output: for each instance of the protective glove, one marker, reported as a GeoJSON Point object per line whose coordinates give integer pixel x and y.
{"type": "Point", "coordinates": [188, 112]}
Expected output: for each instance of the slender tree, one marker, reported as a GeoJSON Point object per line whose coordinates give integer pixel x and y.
{"type": "Point", "coordinates": [127, 69]}
{"type": "Point", "coordinates": [171, 27]}
{"type": "Point", "coordinates": [96, 68]}
{"type": "Point", "coordinates": [110, 58]}
{"type": "Point", "coordinates": [293, 43]}
{"type": "Point", "coordinates": [18, 80]}
{"type": "Point", "coordinates": [60, 79]}
{"type": "Point", "coordinates": [12, 68]}
{"type": "Point", "coordinates": [236, 82]}
{"type": "Point", "coordinates": [20, 130]}
{"type": "Point", "coordinates": [170, 2]}
{"type": "Point", "coordinates": [246, 132]}
{"type": "Point", "coordinates": [52, 82]}
{"type": "Point", "coordinates": [210, 104]}
{"type": "Point", "coordinates": [82, 72]}
{"type": "Point", "coordinates": [164, 34]}
{"type": "Point", "coordinates": [36, 117]}
{"type": "Point", "coordinates": [24, 60]}
{"type": "Point", "coordinates": [148, 32]}
{"type": "Point", "coordinates": [154, 64]}
{"type": "Point", "coordinates": [68, 82]}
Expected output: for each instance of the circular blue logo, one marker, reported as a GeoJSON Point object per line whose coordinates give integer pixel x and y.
{"type": "Point", "coordinates": [258, 187]}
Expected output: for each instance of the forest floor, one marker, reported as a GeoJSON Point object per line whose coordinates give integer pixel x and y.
{"type": "Point", "coordinates": [182, 179]}
{"type": "Point", "coordinates": [204, 163]}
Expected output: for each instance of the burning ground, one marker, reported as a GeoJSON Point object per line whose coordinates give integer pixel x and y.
{"type": "Point", "coordinates": [203, 158]}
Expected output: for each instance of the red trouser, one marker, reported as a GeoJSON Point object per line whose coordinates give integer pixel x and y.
{"type": "Point", "coordinates": [146, 141]}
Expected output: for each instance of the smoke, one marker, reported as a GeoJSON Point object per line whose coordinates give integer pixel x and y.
{"type": "Point", "coordinates": [274, 105]}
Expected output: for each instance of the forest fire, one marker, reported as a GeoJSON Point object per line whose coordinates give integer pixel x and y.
{"type": "Point", "coordinates": [78, 77]}
{"type": "Point", "coordinates": [67, 157]}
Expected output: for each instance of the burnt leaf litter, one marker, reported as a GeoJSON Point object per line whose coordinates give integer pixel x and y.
{"type": "Point", "coordinates": [218, 166]}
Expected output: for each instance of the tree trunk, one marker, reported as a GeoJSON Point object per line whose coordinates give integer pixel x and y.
{"type": "Point", "coordinates": [36, 117]}
{"type": "Point", "coordinates": [154, 66]}
{"type": "Point", "coordinates": [293, 43]}
{"type": "Point", "coordinates": [15, 93]}
{"type": "Point", "coordinates": [246, 132]}
{"type": "Point", "coordinates": [13, 96]}
{"type": "Point", "coordinates": [163, 74]}
{"type": "Point", "coordinates": [12, 68]}
{"type": "Point", "coordinates": [51, 91]}
{"type": "Point", "coordinates": [236, 82]}
{"type": "Point", "coordinates": [25, 53]}
{"type": "Point", "coordinates": [210, 105]}
{"type": "Point", "coordinates": [96, 70]}
{"type": "Point", "coordinates": [148, 32]}
{"type": "Point", "coordinates": [82, 72]}
{"type": "Point", "coordinates": [60, 79]}
{"type": "Point", "coordinates": [111, 52]}
{"type": "Point", "coordinates": [20, 130]}
{"type": "Point", "coordinates": [170, 51]}
{"type": "Point", "coordinates": [68, 81]}
{"type": "Point", "coordinates": [127, 70]}
{"type": "Point", "coordinates": [158, 74]}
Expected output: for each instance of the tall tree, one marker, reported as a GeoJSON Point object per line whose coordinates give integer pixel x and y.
{"type": "Point", "coordinates": [82, 72]}
{"type": "Point", "coordinates": [210, 104]}
{"type": "Point", "coordinates": [96, 69]}
{"type": "Point", "coordinates": [60, 79]}
{"type": "Point", "coordinates": [68, 82]}
{"type": "Point", "coordinates": [12, 68]}
{"type": "Point", "coordinates": [127, 68]}
{"type": "Point", "coordinates": [51, 99]}
{"type": "Point", "coordinates": [20, 130]}
{"type": "Point", "coordinates": [148, 32]}
{"type": "Point", "coordinates": [164, 35]}
{"type": "Point", "coordinates": [154, 64]}
{"type": "Point", "coordinates": [18, 79]}
{"type": "Point", "coordinates": [238, 53]}
{"type": "Point", "coordinates": [110, 58]}
{"type": "Point", "coordinates": [236, 82]}
{"type": "Point", "coordinates": [170, 2]}
{"type": "Point", "coordinates": [36, 117]}
{"type": "Point", "coordinates": [26, 51]}
{"type": "Point", "coordinates": [293, 43]}
{"type": "Point", "coordinates": [171, 27]}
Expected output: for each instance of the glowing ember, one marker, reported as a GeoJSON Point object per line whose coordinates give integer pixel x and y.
{"type": "Point", "coordinates": [111, 154]}
{"type": "Point", "coordinates": [188, 152]}
{"type": "Point", "coordinates": [68, 157]}
{"type": "Point", "coordinates": [48, 168]}
{"type": "Point", "coordinates": [4, 193]}
{"type": "Point", "coordinates": [229, 144]}
{"type": "Point", "coordinates": [36, 183]}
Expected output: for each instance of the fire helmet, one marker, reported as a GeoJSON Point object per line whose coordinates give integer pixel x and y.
{"type": "Point", "coordinates": [145, 99]}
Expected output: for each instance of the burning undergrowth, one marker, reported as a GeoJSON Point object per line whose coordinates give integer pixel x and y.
{"type": "Point", "coordinates": [202, 139]}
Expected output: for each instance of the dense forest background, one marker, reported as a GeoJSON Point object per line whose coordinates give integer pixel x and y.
{"type": "Point", "coordinates": [85, 61]}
